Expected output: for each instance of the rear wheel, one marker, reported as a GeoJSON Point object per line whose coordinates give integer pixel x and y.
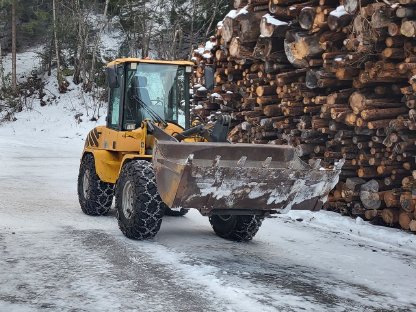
{"type": "Point", "coordinates": [236, 228]}
{"type": "Point", "coordinates": [138, 204]}
{"type": "Point", "coordinates": [95, 196]}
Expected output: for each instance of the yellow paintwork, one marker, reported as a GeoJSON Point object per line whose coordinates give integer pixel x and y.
{"type": "Point", "coordinates": [137, 60]}
{"type": "Point", "coordinates": [111, 148]}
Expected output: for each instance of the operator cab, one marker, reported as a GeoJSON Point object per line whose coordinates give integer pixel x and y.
{"type": "Point", "coordinates": [148, 89]}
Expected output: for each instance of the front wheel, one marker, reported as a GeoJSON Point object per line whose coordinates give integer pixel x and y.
{"type": "Point", "coordinates": [95, 196]}
{"type": "Point", "coordinates": [236, 228]}
{"type": "Point", "coordinates": [139, 206]}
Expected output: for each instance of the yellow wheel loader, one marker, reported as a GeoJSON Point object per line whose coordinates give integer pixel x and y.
{"type": "Point", "coordinates": [150, 158]}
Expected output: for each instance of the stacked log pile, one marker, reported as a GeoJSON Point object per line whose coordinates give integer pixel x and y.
{"type": "Point", "coordinates": [336, 79]}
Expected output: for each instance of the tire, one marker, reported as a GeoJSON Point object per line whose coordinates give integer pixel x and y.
{"type": "Point", "coordinates": [95, 196]}
{"type": "Point", "coordinates": [175, 213]}
{"type": "Point", "coordinates": [236, 228]}
{"type": "Point", "coordinates": [138, 204]}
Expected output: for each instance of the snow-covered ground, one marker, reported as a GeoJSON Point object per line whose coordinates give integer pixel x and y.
{"type": "Point", "coordinates": [54, 258]}
{"type": "Point", "coordinates": [25, 62]}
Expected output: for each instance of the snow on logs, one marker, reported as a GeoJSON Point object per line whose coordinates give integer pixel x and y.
{"type": "Point", "coordinates": [334, 79]}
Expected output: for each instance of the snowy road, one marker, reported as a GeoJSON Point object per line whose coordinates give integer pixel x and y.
{"type": "Point", "coordinates": [52, 257]}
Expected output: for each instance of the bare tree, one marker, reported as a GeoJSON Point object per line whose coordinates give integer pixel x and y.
{"type": "Point", "coordinates": [14, 69]}
{"type": "Point", "coordinates": [1, 69]}
{"type": "Point", "coordinates": [97, 42]}
{"type": "Point", "coordinates": [61, 84]}
{"type": "Point", "coordinates": [82, 40]}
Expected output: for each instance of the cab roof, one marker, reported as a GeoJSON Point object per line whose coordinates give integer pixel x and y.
{"type": "Point", "coordinates": [137, 60]}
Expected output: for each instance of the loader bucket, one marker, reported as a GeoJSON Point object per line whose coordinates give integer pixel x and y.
{"type": "Point", "coordinates": [238, 178]}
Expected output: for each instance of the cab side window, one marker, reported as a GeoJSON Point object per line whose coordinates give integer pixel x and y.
{"type": "Point", "coordinates": [115, 102]}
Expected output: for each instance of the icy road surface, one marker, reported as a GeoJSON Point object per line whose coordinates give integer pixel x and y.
{"type": "Point", "coordinates": [54, 258]}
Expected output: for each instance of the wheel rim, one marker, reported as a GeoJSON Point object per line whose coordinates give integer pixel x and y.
{"type": "Point", "coordinates": [127, 200]}
{"type": "Point", "coordinates": [86, 183]}
{"type": "Point", "coordinates": [224, 217]}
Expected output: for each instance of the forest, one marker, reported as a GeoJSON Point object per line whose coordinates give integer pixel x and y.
{"type": "Point", "coordinates": [71, 37]}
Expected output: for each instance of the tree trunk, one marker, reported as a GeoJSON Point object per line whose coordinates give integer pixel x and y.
{"type": "Point", "coordinates": [1, 69]}
{"type": "Point", "coordinates": [96, 43]}
{"type": "Point", "coordinates": [61, 86]}
{"type": "Point", "coordinates": [79, 53]}
{"type": "Point", "coordinates": [14, 74]}
{"type": "Point", "coordinates": [50, 56]}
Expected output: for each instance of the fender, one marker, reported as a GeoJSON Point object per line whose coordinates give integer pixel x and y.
{"type": "Point", "coordinates": [110, 158]}
{"type": "Point", "coordinates": [108, 164]}
{"type": "Point", "coordinates": [129, 157]}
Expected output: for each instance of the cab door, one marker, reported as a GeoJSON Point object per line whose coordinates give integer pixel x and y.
{"type": "Point", "coordinates": [116, 137]}
{"type": "Point", "coordinates": [114, 115]}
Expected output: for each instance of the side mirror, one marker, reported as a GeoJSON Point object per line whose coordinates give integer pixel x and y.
{"type": "Point", "coordinates": [112, 77]}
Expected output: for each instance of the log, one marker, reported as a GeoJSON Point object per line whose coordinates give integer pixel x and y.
{"type": "Point", "coordinates": [292, 76]}
{"type": "Point", "coordinates": [394, 42]}
{"type": "Point", "coordinates": [393, 29]}
{"type": "Point", "coordinates": [265, 90]}
{"type": "Point", "coordinates": [404, 220]}
{"type": "Point", "coordinates": [238, 50]}
{"type": "Point", "coordinates": [267, 46]}
{"type": "Point", "coordinates": [339, 18]}
{"type": "Point", "coordinates": [300, 45]}
{"type": "Point", "coordinates": [408, 28]}
{"type": "Point", "coordinates": [393, 53]}
{"type": "Point", "coordinates": [372, 214]}
{"type": "Point", "coordinates": [378, 114]}
{"type": "Point", "coordinates": [245, 31]}
{"type": "Point", "coordinates": [381, 15]}
{"type": "Point", "coordinates": [229, 28]}
{"type": "Point", "coordinates": [351, 6]}
{"type": "Point", "coordinates": [272, 27]}
{"type": "Point", "coordinates": [367, 192]}
{"type": "Point", "coordinates": [272, 110]}
{"type": "Point", "coordinates": [376, 124]}
{"type": "Point", "coordinates": [367, 172]}
{"type": "Point", "coordinates": [267, 100]}
{"type": "Point", "coordinates": [407, 202]}
{"type": "Point", "coordinates": [390, 216]}
{"type": "Point", "coordinates": [392, 198]}
{"type": "Point", "coordinates": [412, 226]}
{"type": "Point", "coordinates": [405, 12]}
{"type": "Point", "coordinates": [359, 101]}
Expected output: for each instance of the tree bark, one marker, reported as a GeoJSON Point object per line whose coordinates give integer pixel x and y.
{"type": "Point", "coordinates": [55, 36]}
{"type": "Point", "coordinates": [14, 69]}
{"type": "Point", "coordinates": [96, 43]}
{"type": "Point", "coordinates": [1, 69]}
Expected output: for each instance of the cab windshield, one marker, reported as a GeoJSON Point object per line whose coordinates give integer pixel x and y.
{"type": "Point", "coordinates": [154, 91]}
